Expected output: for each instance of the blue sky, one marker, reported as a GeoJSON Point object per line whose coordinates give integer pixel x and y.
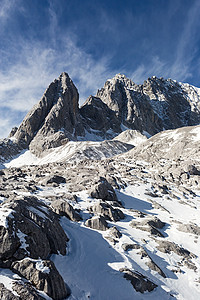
{"type": "Point", "coordinates": [92, 40]}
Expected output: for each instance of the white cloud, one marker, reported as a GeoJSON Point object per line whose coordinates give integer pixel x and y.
{"type": "Point", "coordinates": [6, 6]}
{"type": "Point", "coordinates": [24, 82]}
{"type": "Point", "coordinates": [142, 72]}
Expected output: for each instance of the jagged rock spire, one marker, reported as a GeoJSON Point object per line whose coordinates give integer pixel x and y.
{"type": "Point", "coordinates": [55, 115]}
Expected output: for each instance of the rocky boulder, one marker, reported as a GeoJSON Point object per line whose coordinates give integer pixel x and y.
{"type": "Point", "coordinates": [103, 190]}
{"type": "Point", "coordinates": [140, 282]}
{"type": "Point", "coordinates": [106, 210]}
{"type": "Point", "coordinates": [63, 208]}
{"type": "Point", "coordinates": [43, 275]}
{"type": "Point", "coordinates": [97, 222]}
{"type": "Point", "coordinates": [29, 229]}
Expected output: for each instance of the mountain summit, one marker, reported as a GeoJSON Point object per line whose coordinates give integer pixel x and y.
{"type": "Point", "coordinates": [156, 105]}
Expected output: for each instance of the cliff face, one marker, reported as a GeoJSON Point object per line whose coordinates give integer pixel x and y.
{"type": "Point", "coordinates": [156, 105]}
{"type": "Point", "coordinates": [54, 119]}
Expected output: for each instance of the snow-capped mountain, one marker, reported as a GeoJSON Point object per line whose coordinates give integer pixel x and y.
{"type": "Point", "coordinates": [102, 201]}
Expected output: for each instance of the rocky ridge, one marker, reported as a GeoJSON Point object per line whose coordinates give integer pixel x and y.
{"type": "Point", "coordinates": [154, 106]}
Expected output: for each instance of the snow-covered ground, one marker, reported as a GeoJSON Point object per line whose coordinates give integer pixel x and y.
{"type": "Point", "coordinates": [91, 266]}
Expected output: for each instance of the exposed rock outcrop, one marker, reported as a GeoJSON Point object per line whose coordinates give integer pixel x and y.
{"type": "Point", "coordinates": [103, 190]}
{"type": "Point", "coordinates": [53, 120]}
{"type": "Point", "coordinates": [106, 210]}
{"type": "Point", "coordinates": [44, 276]}
{"type": "Point", "coordinates": [63, 208]}
{"type": "Point", "coordinates": [140, 282]}
{"type": "Point", "coordinates": [97, 222]}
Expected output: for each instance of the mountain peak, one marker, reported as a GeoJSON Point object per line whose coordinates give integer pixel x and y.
{"type": "Point", "coordinates": [55, 116]}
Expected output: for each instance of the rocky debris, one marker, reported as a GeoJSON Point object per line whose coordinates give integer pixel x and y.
{"type": "Point", "coordinates": [55, 179]}
{"type": "Point", "coordinates": [168, 247]}
{"type": "Point", "coordinates": [63, 208]}
{"type": "Point", "coordinates": [192, 170]}
{"type": "Point", "coordinates": [149, 224]}
{"type": "Point", "coordinates": [30, 229]}
{"type": "Point", "coordinates": [114, 235]}
{"type": "Point", "coordinates": [143, 253]}
{"type": "Point", "coordinates": [106, 210]}
{"type": "Point", "coordinates": [140, 282]}
{"type": "Point", "coordinates": [189, 228]}
{"type": "Point", "coordinates": [127, 246]}
{"type": "Point", "coordinates": [114, 232]}
{"type": "Point", "coordinates": [6, 294]}
{"type": "Point", "coordinates": [152, 265]}
{"type": "Point", "coordinates": [43, 275]}
{"type": "Point", "coordinates": [26, 291]}
{"type": "Point", "coordinates": [97, 222]}
{"type": "Point", "coordinates": [103, 190]}
{"type": "Point", "coordinates": [182, 144]}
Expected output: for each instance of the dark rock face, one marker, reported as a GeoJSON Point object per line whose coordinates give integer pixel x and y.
{"type": "Point", "coordinates": [156, 105]}
{"type": "Point", "coordinates": [33, 223]}
{"type": "Point", "coordinates": [8, 149]}
{"type": "Point", "coordinates": [139, 282]}
{"type": "Point", "coordinates": [98, 116]}
{"type": "Point", "coordinates": [43, 276]}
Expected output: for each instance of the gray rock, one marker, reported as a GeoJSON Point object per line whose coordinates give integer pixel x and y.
{"type": "Point", "coordinates": [6, 294]}
{"type": "Point", "coordinates": [26, 291]}
{"type": "Point", "coordinates": [106, 210]}
{"type": "Point", "coordinates": [53, 120]}
{"type": "Point", "coordinates": [149, 224]}
{"type": "Point", "coordinates": [32, 230]}
{"type": "Point", "coordinates": [127, 246]}
{"type": "Point", "coordinates": [63, 208]}
{"type": "Point", "coordinates": [189, 228]}
{"type": "Point", "coordinates": [115, 233]}
{"type": "Point", "coordinates": [140, 282]}
{"type": "Point", "coordinates": [98, 222]}
{"type": "Point", "coordinates": [44, 277]}
{"type": "Point", "coordinates": [168, 247]}
{"type": "Point", "coordinates": [103, 190]}
{"type": "Point", "coordinates": [56, 179]}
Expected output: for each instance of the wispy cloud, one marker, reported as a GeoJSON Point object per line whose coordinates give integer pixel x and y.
{"type": "Point", "coordinates": [5, 7]}
{"type": "Point", "coordinates": [186, 47]}
{"type": "Point", "coordinates": [154, 67]}
{"type": "Point", "coordinates": [185, 52]}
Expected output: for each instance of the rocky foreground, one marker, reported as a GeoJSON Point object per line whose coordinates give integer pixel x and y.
{"type": "Point", "coordinates": [147, 212]}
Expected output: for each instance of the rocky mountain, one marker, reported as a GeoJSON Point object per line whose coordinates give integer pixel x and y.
{"type": "Point", "coordinates": [102, 201]}
{"type": "Point", "coordinates": [156, 105]}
